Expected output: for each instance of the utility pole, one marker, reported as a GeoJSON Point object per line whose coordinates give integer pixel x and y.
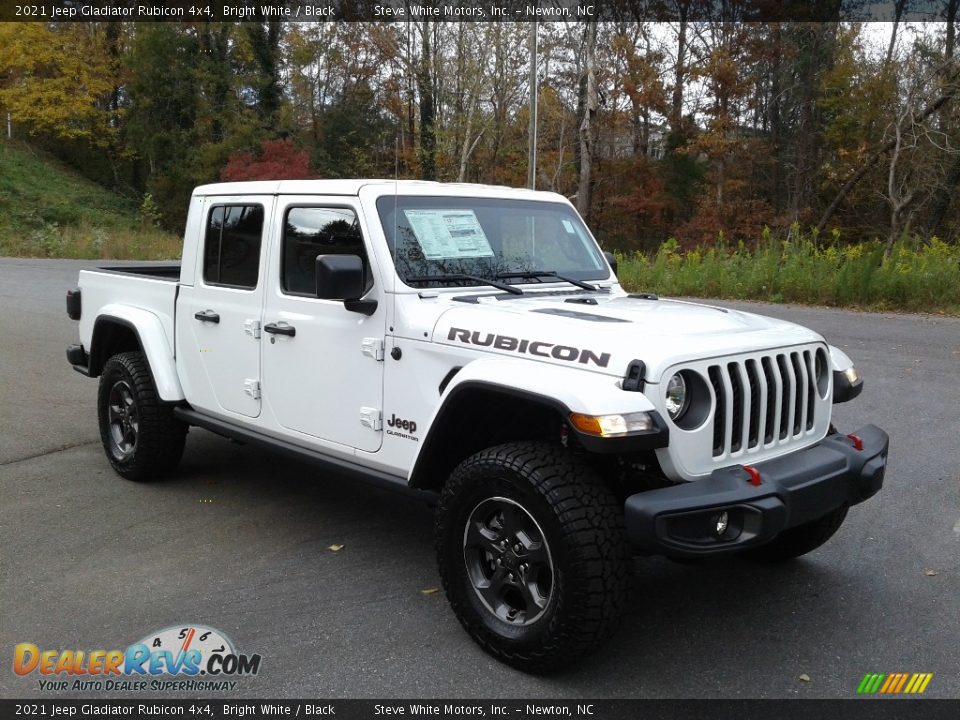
{"type": "Point", "coordinates": [532, 146]}
{"type": "Point", "coordinates": [9, 128]}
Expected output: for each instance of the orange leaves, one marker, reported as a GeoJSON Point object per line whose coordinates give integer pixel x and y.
{"type": "Point", "coordinates": [277, 160]}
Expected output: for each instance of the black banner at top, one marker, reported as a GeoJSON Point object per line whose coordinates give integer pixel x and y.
{"type": "Point", "coordinates": [468, 10]}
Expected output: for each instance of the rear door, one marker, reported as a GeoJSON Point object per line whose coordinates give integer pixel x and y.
{"type": "Point", "coordinates": [218, 318]}
{"type": "Point", "coordinates": [323, 364]}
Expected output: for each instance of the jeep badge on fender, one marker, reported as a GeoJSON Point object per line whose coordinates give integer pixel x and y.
{"type": "Point", "coordinates": [562, 425]}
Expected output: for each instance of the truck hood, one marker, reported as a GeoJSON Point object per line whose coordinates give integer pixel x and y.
{"type": "Point", "coordinates": [605, 332]}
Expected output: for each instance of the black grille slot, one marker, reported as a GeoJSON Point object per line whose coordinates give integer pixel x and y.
{"type": "Point", "coordinates": [768, 430]}
{"type": "Point", "coordinates": [754, 380]}
{"type": "Point", "coordinates": [811, 384]}
{"type": "Point", "coordinates": [784, 396]}
{"type": "Point", "coordinates": [736, 432]}
{"type": "Point", "coordinates": [719, 412]}
{"type": "Point", "coordinates": [799, 394]}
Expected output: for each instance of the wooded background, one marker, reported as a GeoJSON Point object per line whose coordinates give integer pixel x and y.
{"type": "Point", "coordinates": [691, 130]}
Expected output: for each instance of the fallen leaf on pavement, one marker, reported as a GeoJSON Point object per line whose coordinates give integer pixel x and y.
{"type": "Point", "coordinates": [805, 678]}
{"type": "Point", "coordinates": [932, 573]}
{"type": "Point", "coordinates": [429, 591]}
{"type": "Point", "coordinates": [335, 548]}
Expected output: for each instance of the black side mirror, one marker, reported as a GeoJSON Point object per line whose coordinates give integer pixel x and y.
{"type": "Point", "coordinates": [340, 277]}
{"type": "Point", "coordinates": [611, 259]}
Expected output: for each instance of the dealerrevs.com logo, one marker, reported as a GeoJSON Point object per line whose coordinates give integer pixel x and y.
{"type": "Point", "coordinates": [181, 657]}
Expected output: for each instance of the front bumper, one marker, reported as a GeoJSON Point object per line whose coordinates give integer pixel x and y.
{"type": "Point", "coordinates": [682, 520]}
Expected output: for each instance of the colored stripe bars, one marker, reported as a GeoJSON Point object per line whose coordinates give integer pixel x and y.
{"type": "Point", "coordinates": [894, 683]}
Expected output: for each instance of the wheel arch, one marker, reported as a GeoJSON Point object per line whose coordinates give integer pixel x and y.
{"type": "Point", "coordinates": [461, 426]}
{"type": "Point", "coordinates": [122, 329]}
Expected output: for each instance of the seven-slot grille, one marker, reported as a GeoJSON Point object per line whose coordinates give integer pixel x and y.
{"type": "Point", "coordinates": [768, 399]}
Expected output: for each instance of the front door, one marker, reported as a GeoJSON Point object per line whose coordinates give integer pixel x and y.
{"type": "Point", "coordinates": [322, 364]}
{"type": "Point", "coordinates": [218, 350]}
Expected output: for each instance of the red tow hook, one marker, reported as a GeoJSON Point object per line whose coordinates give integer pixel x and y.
{"type": "Point", "coordinates": [754, 475]}
{"type": "Point", "coordinates": [857, 442]}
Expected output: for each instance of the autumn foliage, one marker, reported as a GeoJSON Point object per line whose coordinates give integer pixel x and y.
{"type": "Point", "coordinates": [276, 160]}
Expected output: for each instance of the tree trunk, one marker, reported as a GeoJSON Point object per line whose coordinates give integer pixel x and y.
{"type": "Point", "coordinates": [679, 74]}
{"type": "Point", "coordinates": [586, 124]}
{"type": "Point", "coordinates": [428, 133]}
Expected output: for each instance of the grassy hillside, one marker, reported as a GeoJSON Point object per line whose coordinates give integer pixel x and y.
{"type": "Point", "coordinates": [47, 210]}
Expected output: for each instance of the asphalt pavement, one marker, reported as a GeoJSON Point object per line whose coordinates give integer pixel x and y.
{"type": "Point", "coordinates": [239, 540]}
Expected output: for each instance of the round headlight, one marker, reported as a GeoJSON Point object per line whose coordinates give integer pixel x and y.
{"type": "Point", "coordinates": [677, 398]}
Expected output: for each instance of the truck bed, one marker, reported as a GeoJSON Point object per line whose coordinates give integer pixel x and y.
{"type": "Point", "coordinates": [169, 272]}
{"type": "Point", "coordinates": [122, 289]}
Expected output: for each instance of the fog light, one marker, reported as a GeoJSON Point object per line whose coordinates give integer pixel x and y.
{"type": "Point", "coordinates": [722, 522]}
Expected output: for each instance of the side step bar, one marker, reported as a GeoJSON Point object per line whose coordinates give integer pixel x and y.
{"type": "Point", "coordinates": [370, 476]}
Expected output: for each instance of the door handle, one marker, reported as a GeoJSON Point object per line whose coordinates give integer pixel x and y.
{"type": "Point", "coordinates": [280, 329]}
{"type": "Point", "coordinates": [207, 316]}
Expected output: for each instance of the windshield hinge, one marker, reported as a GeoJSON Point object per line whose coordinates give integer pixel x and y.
{"type": "Point", "coordinates": [372, 347]}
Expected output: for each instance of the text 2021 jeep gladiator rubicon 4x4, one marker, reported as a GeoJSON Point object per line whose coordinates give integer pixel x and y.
{"type": "Point", "coordinates": [473, 342]}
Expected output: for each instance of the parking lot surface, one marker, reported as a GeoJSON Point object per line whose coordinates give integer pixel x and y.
{"type": "Point", "coordinates": [239, 540]}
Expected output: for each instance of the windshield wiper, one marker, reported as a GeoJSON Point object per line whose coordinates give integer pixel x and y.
{"type": "Point", "coordinates": [547, 273]}
{"type": "Point", "coordinates": [461, 276]}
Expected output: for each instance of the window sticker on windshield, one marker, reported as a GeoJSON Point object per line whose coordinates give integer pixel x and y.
{"type": "Point", "coordinates": [449, 234]}
{"type": "Point", "coordinates": [568, 226]}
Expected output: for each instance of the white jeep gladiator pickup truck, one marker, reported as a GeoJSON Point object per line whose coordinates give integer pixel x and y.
{"type": "Point", "coordinates": [473, 342]}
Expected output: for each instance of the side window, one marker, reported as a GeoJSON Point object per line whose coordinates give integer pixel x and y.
{"type": "Point", "coordinates": [231, 247]}
{"type": "Point", "coordinates": [312, 231]}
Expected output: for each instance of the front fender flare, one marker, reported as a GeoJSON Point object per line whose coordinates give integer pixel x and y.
{"type": "Point", "coordinates": [563, 390]}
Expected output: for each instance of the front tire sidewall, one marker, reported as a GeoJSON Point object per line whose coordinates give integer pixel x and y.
{"type": "Point", "coordinates": [521, 639]}
{"type": "Point", "coordinates": [581, 521]}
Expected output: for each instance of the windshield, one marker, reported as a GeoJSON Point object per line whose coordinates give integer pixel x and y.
{"type": "Point", "coordinates": [488, 238]}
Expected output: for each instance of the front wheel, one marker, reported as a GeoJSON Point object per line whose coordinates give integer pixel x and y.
{"type": "Point", "coordinates": [532, 554]}
{"type": "Point", "coordinates": [140, 435]}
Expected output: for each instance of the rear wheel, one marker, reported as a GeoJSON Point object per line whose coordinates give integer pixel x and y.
{"type": "Point", "coordinates": [140, 435]}
{"type": "Point", "coordinates": [800, 540]}
{"type": "Point", "coordinates": [532, 554]}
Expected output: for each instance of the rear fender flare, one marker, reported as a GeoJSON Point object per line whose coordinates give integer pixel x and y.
{"type": "Point", "coordinates": [148, 329]}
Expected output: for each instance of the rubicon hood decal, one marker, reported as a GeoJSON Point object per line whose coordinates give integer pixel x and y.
{"type": "Point", "coordinates": [662, 333]}
{"type": "Point", "coordinates": [530, 347]}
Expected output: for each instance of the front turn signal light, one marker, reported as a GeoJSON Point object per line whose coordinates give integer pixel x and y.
{"type": "Point", "coordinates": [613, 425]}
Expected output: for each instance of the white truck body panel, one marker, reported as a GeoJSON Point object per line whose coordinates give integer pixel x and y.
{"type": "Point", "coordinates": [334, 385]}
{"type": "Point", "coordinates": [143, 304]}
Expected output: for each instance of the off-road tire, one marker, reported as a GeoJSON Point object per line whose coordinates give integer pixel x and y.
{"type": "Point", "coordinates": [800, 540]}
{"type": "Point", "coordinates": [582, 523]}
{"type": "Point", "coordinates": [158, 438]}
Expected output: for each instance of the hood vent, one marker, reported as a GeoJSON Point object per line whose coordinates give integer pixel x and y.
{"type": "Point", "coordinates": [576, 315]}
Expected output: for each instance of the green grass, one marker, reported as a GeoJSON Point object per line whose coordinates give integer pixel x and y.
{"type": "Point", "coordinates": [917, 276]}
{"type": "Point", "coordinates": [48, 210]}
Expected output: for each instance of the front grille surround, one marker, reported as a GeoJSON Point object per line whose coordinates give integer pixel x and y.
{"type": "Point", "coordinates": [764, 404]}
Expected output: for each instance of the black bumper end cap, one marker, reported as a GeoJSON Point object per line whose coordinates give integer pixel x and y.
{"type": "Point", "coordinates": [79, 359]}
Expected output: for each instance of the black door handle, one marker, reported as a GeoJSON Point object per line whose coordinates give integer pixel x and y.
{"type": "Point", "coordinates": [284, 329]}
{"type": "Point", "coordinates": [207, 316]}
